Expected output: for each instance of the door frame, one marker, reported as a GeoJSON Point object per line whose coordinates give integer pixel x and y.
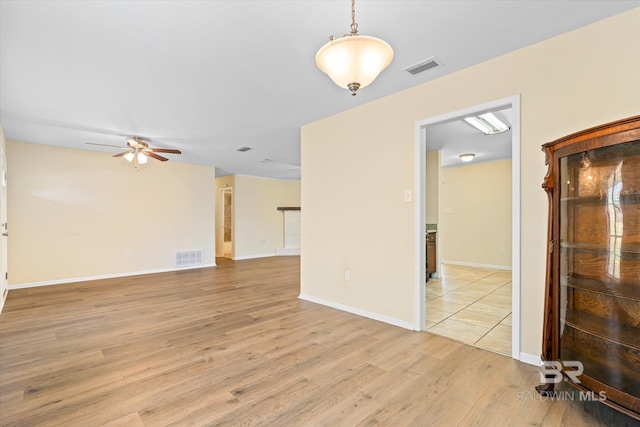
{"type": "Point", "coordinates": [420, 152]}
{"type": "Point", "coordinates": [4, 245]}
{"type": "Point", "coordinates": [221, 221]}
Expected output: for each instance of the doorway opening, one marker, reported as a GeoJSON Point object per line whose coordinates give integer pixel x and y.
{"type": "Point", "coordinates": [463, 284]}
{"type": "Point", "coordinates": [226, 222]}
{"type": "Point", "coordinates": [3, 225]}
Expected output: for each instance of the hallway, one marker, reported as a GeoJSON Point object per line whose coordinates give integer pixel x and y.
{"type": "Point", "coordinates": [471, 305]}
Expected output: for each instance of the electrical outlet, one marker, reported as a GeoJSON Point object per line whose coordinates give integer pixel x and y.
{"type": "Point", "coordinates": [347, 275]}
{"type": "Point", "coordinates": [127, 254]}
{"type": "Point", "coordinates": [503, 250]}
{"type": "Point", "coordinates": [407, 195]}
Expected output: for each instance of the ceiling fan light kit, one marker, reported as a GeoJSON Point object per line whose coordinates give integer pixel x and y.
{"type": "Point", "coordinates": [139, 151]}
{"type": "Point", "coordinates": [354, 61]}
{"type": "Point", "coordinates": [141, 158]}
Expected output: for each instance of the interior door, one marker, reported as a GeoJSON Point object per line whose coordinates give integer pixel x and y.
{"type": "Point", "coordinates": [3, 225]}
{"type": "Point", "coordinates": [227, 227]}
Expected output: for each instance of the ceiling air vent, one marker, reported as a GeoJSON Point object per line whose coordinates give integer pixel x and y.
{"type": "Point", "coordinates": [243, 149]}
{"type": "Point", "coordinates": [423, 66]}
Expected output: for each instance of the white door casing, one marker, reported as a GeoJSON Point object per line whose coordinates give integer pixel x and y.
{"type": "Point", "coordinates": [420, 214]}
{"type": "Point", "coordinates": [225, 247]}
{"type": "Point", "coordinates": [3, 226]}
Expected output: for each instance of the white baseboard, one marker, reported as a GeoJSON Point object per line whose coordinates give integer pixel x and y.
{"type": "Point", "coordinates": [104, 276]}
{"type": "Point", "coordinates": [240, 258]}
{"type": "Point", "coordinates": [359, 312]}
{"type": "Point", "coordinates": [473, 264]}
{"type": "Point", "coordinates": [531, 359]}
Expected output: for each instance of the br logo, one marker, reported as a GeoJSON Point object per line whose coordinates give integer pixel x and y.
{"type": "Point", "coordinates": [551, 371]}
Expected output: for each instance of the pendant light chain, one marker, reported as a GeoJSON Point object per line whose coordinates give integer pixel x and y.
{"type": "Point", "coordinates": [354, 26]}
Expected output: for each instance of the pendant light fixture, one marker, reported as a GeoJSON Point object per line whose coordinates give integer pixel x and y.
{"type": "Point", "coordinates": [354, 61]}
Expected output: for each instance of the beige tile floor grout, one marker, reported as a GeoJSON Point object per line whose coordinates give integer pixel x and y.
{"type": "Point", "coordinates": [471, 305]}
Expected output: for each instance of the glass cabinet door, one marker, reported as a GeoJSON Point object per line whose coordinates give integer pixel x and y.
{"type": "Point", "coordinates": [599, 261]}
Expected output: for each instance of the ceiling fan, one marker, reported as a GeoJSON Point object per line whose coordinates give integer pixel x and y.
{"type": "Point", "coordinates": [139, 151]}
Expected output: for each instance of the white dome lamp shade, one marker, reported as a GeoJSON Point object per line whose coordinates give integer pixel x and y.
{"type": "Point", "coordinates": [354, 61]}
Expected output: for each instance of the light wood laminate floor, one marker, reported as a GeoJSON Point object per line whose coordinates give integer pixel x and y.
{"type": "Point", "coordinates": [232, 345]}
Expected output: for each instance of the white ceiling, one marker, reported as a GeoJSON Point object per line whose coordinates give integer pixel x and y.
{"type": "Point", "coordinates": [207, 77]}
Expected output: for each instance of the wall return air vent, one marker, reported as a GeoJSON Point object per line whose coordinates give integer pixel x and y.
{"type": "Point", "coordinates": [422, 66]}
{"type": "Point", "coordinates": [187, 258]}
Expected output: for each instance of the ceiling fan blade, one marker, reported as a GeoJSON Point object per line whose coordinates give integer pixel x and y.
{"type": "Point", "coordinates": [155, 156]}
{"type": "Point", "coordinates": [104, 145]}
{"type": "Point", "coordinates": [121, 154]}
{"type": "Point", "coordinates": [165, 150]}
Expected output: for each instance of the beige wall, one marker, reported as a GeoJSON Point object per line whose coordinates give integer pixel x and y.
{"type": "Point", "coordinates": [432, 186]}
{"type": "Point", "coordinates": [475, 219]}
{"type": "Point", "coordinates": [75, 213]}
{"type": "Point", "coordinates": [357, 164]}
{"type": "Point", "coordinates": [258, 225]}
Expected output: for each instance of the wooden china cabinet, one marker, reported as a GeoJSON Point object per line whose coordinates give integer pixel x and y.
{"type": "Point", "coordinates": [592, 300]}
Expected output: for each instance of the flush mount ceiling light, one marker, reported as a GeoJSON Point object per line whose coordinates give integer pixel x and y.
{"type": "Point", "coordinates": [487, 123]}
{"type": "Point", "coordinates": [467, 157]}
{"type": "Point", "coordinates": [354, 61]}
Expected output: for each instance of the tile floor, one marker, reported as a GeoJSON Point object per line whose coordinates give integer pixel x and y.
{"type": "Point", "coordinates": [471, 305]}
